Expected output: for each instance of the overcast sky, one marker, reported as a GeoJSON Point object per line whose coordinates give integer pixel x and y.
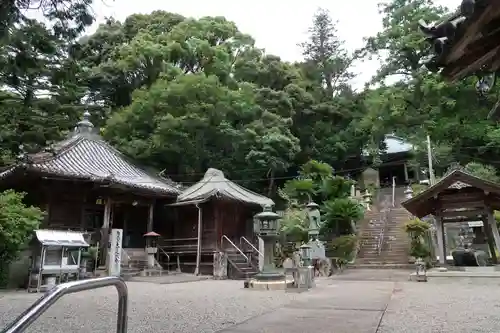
{"type": "Point", "coordinates": [277, 26]}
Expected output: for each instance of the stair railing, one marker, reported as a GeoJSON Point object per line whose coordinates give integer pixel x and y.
{"type": "Point", "coordinates": [385, 215]}
{"type": "Point", "coordinates": [225, 238]}
{"type": "Point", "coordinates": [243, 239]}
{"type": "Point", "coordinates": [166, 254]}
{"type": "Point", "coordinates": [28, 317]}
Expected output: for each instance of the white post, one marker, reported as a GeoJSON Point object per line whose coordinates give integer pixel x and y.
{"type": "Point", "coordinates": [432, 178]}
{"type": "Point", "coordinates": [440, 238]}
{"type": "Point", "coordinates": [115, 252]}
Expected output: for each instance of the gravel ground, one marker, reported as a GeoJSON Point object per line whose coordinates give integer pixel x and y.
{"type": "Point", "coordinates": [206, 306]}
{"type": "Point", "coordinates": [466, 306]}
{"type": "Point", "coordinates": [351, 304]}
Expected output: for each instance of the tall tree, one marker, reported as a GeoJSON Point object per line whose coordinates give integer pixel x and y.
{"type": "Point", "coordinates": [327, 60]}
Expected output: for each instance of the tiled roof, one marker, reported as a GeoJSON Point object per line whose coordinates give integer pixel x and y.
{"type": "Point", "coordinates": [86, 156]}
{"type": "Point", "coordinates": [215, 184]}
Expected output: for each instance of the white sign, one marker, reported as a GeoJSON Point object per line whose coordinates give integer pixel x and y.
{"type": "Point", "coordinates": [115, 252]}
{"type": "Point", "coordinates": [475, 224]}
{"type": "Point", "coordinates": [317, 250]}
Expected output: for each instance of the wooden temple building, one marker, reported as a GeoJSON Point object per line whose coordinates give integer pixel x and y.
{"type": "Point", "coordinates": [467, 43]}
{"type": "Point", "coordinates": [83, 183]}
{"type": "Point", "coordinates": [457, 199]}
{"type": "Point", "coordinates": [212, 215]}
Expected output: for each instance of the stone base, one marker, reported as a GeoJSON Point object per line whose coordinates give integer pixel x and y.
{"type": "Point", "coordinates": [418, 278]}
{"type": "Point", "coordinates": [268, 285]}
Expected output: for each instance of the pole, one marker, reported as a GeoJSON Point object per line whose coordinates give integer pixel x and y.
{"type": "Point", "coordinates": [432, 178]}
{"type": "Point", "coordinates": [198, 247]}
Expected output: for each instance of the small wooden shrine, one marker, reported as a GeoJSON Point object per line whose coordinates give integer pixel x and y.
{"type": "Point", "coordinates": [457, 198]}
{"type": "Point", "coordinates": [85, 184]}
{"type": "Point", "coordinates": [210, 215]}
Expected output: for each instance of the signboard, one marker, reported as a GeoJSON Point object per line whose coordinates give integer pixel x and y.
{"type": "Point", "coordinates": [475, 224]}
{"type": "Point", "coordinates": [317, 250]}
{"type": "Point", "coordinates": [115, 252]}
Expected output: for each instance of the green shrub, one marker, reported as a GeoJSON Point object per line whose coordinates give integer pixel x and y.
{"type": "Point", "coordinates": [17, 224]}
{"type": "Point", "coordinates": [416, 230]}
{"type": "Point", "coordinates": [342, 247]}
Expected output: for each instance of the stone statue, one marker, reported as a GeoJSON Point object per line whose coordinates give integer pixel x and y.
{"type": "Point", "coordinates": [314, 219]}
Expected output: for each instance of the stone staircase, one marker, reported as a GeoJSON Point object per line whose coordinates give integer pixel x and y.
{"type": "Point", "coordinates": [134, 263]}
{"type": "Point", "coordinates": [387, 223]}
{"type": "Point", "coordinates": [240, 267]}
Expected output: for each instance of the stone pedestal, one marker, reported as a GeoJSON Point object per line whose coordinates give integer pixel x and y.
{"type": "Point", "coordinates": [220, 266]}
{"type": "Point", "coordinates": [151, 252]}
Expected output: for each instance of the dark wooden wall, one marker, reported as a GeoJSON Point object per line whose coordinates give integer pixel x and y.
{"type": "Point", "coordinates": [219, 217]}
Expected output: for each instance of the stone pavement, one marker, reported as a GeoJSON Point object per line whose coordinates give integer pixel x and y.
{"type": "Point", "coordinates": [358, 301]}
{"type": "Point", "coordinates": [349, 307]}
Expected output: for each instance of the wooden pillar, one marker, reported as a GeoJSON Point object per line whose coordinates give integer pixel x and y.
{"type": "Point", "coordinates": [150, 217]}
{"type": "Point", "coordinates": [494, 229]}
{"type": "Point", "coordinates": [490, 240]}
{"type": "Point", "coordinates": [441, 241]}
{"type": "Point", "coordinates": [198, 247]}
{"type": "Point", "coordinates": [106, 225]}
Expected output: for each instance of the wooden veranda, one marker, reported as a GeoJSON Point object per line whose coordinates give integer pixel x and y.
{"type": "Point", "coordinates": [457, 198]}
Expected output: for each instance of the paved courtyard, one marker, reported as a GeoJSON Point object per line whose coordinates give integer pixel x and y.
{"type": "Point", "coordinates": [356, 301]}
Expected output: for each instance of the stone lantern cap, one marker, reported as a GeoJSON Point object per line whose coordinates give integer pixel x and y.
{"type": "Point", "coordinates": [312, 205]}
{"type": "Point", "coordinates": [267, 214]}
{"type": "Point", "coordinates": [151, 234]}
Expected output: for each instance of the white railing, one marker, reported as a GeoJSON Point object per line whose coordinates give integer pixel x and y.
{"type": "Point", "coordinates": [28, 317]}
{"type": "Point", "coordinates": [243, 239]}
{"type": "Point", "coordinates": [224, 237]}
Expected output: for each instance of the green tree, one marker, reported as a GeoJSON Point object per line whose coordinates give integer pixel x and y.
{"type": "Point", "coordinates": [17, 224]}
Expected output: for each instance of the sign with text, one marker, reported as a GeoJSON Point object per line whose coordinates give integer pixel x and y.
{"type": "Point", "coordinates": [115, 252]}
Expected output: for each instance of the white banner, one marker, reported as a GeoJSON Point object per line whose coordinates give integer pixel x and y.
{"type": "Point", "coordinates": [115, 252]}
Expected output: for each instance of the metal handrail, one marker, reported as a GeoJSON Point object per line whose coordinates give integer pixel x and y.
{"type": "Point", "coordinates": [168, 257]}
{"type": "Point", "coordinates": [251, 245]}
{"type": "Point", "coordinates": [234, 245]}
{"type": "Point", "coordinates": [381, 237]}
{"type": "Point", "coordinates": [24, 320]}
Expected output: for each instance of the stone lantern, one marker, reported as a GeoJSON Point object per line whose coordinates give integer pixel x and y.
{"type": "Point", "coordinates": [268, 230]}
{"type": "Point", "coordinates": [314, 220]}
{"type": "Point", "coordinates": [420, 270]}
{"type": "Point", "coordinates": [151, 247]}
{"type": "Point", "coordinates": [305, 251]}
{"type": "Point", "coordinates": [408, 192]}
{"type": "Point", "coordinates": [367, 199]}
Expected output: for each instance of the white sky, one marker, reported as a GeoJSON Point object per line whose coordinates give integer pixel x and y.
{"type": "Point", "coordinates": [277, 26]}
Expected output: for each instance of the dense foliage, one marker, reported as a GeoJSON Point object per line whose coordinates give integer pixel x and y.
{"type": "Point", "coordinates": [17, 223]}
{"type": "Point", "coordinates": [183, 94]}
{"type": "Point", "coordinates": [418, 230]}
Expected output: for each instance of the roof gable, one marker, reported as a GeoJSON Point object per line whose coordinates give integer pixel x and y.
{"type": "Point", "coordinates": [87, 156]}
{"type": "Point", "coordinates": [215, 184]}
{"type": "Point", "coordinates": [457, 179]}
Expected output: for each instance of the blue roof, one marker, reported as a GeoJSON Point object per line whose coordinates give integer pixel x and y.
{"type": "Point", "coordinates": [396, 144]}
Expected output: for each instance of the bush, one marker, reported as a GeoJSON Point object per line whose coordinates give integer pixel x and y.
{"type": "Point", "coordinates": [416, 230]}
{"type": "Point", "coordinates": [338, 215]}
{"type": "Point", "coordinates": [342, 247]}
{"type": "Point", "coordinates": [17, 224]}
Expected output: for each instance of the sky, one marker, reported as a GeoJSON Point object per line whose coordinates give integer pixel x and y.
{"type": "Point", "coordinates": [277, 26]}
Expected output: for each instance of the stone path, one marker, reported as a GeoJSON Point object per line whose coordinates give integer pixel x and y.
{"type": "Point", "coordinates": [359, 301]}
